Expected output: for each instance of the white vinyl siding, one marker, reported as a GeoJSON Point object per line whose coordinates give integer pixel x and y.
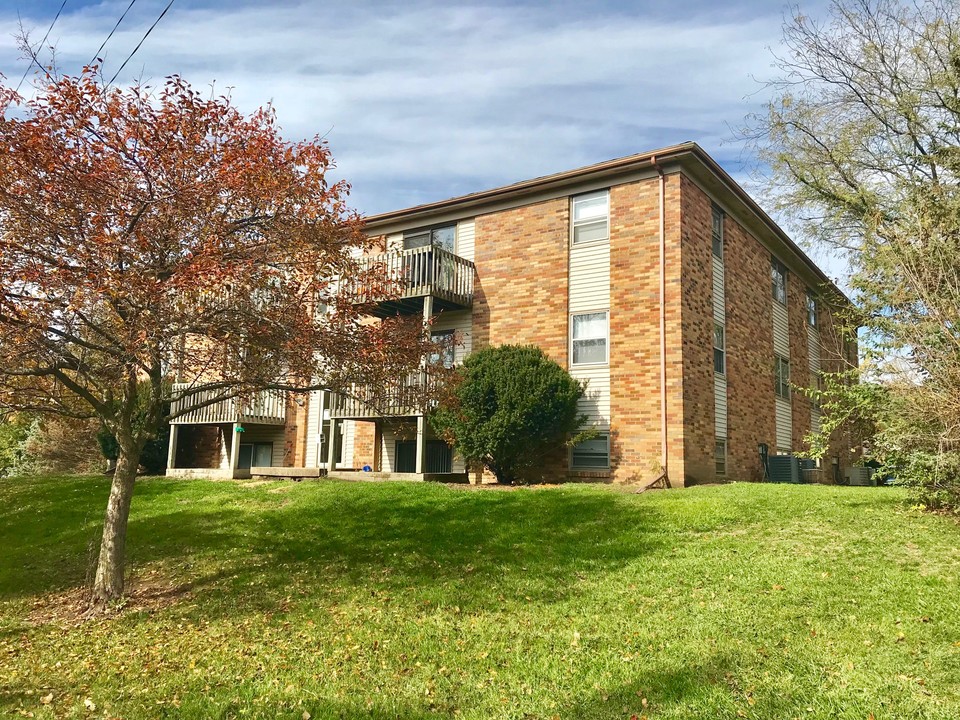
{"type": "Point", "coordinates": [589, 279]}
{"type": "Point", "coordinates": [466, 234]}
{"type": "Point", "coordinates": [784, 425]}
{"type": "Point", "coordinates": [719, 312]}
{"type": "Point", "coordinates": [346, 458]}
{"type": "Point", "coordinates": [781, 330]}
{"type": "Point", "coordinates": [266, 434]}
{"type": "Point", "coordinates": [813, 353]}
{"type": "Point", "coordinates": [395, 242]}
{"type": "Point", "coordinates": [589, 292]}
{"type": "Point", "coordinates": [461, 322]}
{"type": "Point", "coordinates": [314, 430]}
{"type": "Point", "coordinates": [720, 404]}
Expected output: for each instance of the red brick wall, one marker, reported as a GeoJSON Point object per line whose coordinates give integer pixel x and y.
{"type": "Point", "coordinates": [697, 323]}
{"type": "Point", "coordinates": [749, 335]}
{"type": "Point", "coordinates": [521, 291]}
{"type": "Point", "coordinates": [364, 434]}
{"type": "Point", "coordinates": [635, 331]}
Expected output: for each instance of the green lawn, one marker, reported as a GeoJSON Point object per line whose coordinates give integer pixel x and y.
{"type": "Point", "coordinates": [420, 601]}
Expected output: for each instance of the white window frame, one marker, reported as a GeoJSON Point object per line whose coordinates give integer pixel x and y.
{"type": "Point", "coordinates": [779, 382]}
{"type": "Point", "coordinates": [722, 348]}
{"type": "Point", "coordinates": [606, 337]}
{"type": "Point", "coordinates": [812, 309]}
{"type": "Point", "coordinates": [591, 468]}
{"type": "Point", "coordinates": [574, 223]}
{"type": "Point", "coordinates": [778, 268]}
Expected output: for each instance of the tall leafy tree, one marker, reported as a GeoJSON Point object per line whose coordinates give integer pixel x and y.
{"type": "Point", "coordinates": [863, 137]}
{"type": "Point", "coordinates": [144, 230]}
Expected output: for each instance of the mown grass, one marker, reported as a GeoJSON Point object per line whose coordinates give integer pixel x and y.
{"type": "Point", "coordinates": [421, 601]}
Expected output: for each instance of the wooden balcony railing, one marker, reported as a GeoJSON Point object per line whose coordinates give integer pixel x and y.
{"type": "Point", "coordinates": [410, 275]}
{"type": "Point", "coordinates": [267, 407]}
{"type": "Point", "coordinates": [404, 397]}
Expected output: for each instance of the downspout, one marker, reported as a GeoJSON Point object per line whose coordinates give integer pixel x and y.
{"type": "Point", "coordinates": [663, 324]}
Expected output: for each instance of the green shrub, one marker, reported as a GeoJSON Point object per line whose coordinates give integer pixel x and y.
{"type": "Point", "coordinates": [507, 408]}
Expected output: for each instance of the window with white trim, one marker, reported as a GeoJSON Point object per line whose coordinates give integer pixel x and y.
{"type": "Point", "coordinates": [591, 217]}
{"type": "Point", "coordinates": [717, 232]}
{"type": "Point", "coordinates": [442, 237]}
{"type": "Point", "coordinates": [588, 338]}
{"type": "Point", "coordinates": [444, 353]}
{"type": "Point", "coordinates": [782, 377]}
{"type": "Point", "coordinates": [720, 456]}
{"type": "Point", "coordinates": [811, 309]}
{"type": "Point", "coordinates": [591, 454]}
{"type": "Point", "coordinates": [719, 349]}
{"type": "Point", "coordinates": [778, 274]}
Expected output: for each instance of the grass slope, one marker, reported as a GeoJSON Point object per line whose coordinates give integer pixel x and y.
{"type": "Point", "coordinates": [420, 601]}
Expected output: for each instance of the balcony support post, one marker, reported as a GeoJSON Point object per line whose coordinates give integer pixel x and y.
{"type": "Point", "coordinates": [421, 419]}
{"type": "Point", "coordinates": [172, 446]}
{"type": "Point", "coordinates": [421, 443]}
{"type": "Point", "coordinates": [234, 450]}
{"type": "Point", "coordinates": [331, 446]}
{"type": "Point", "coordinates": [377, 446]}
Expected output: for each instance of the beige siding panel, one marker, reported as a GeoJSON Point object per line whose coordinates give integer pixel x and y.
{"type": "Point", "coordinates": [781, 330]}
{"type": "Point", "coordinates": [388, 452]}
{"type": "Point", "coordinates": [466, 233]}
{"type": "Point", "coordinates": [589, 277]}
{"type": "Point", "coordinates": [457, 466]}
{"type": "Point", "coordinates": [813, 349]}
{"type": "Point", "coordinates": [595, 404]}
{"type": "Point", "coordinates": [349, 427]}
{"type": "Point", "coordinates": [720, 404]}
{"type": "Point", "coordinates": [462, 322]}
{"type": "Point", "coordinates": [263, 434]}
{"type": "Point", "coordinates": [719, 313]}
{"type": "Point", "coordinates": [313, 428]}
{"type": "Point", "coordinates": [394, 242]}
{"type": "Point", "coordinates": [784, 425]}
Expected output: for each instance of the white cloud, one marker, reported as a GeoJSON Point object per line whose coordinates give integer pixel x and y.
{"type": "Point", "coordinates": [426, 101]}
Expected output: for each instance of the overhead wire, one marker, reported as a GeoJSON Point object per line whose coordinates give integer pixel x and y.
{"type": "Point", "coordinates": [96, 55]}
{"type": "Point", "coordinates": [145, 36]}
{"type": "Point", "coordinates": [45, 36]}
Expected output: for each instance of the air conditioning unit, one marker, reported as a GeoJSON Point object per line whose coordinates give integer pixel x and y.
{"type": "Point", "coordinates": [784, 469]}
{"type": "Point", "coordinates": [861, 476]}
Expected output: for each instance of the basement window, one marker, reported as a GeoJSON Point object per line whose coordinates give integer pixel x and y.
{"type": "Point", "coordinates": [591, 217]}
{"type": "Point", "coordinates": [591, 454]}
{"type": "Point", "coordinates": [720, 456]}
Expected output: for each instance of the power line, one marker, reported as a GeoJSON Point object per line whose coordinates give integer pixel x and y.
{"type": "Point", "coordinates": [146, 35]}
{"type": "Point", "coordinates": [104, 43]}
{"type": "Point", "coordinates": [45, 36]}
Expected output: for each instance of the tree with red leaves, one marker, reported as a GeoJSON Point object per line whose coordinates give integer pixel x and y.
{"type": "Point", "coordinates": [145, 230]}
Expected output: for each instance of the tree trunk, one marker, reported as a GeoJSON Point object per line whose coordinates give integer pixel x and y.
{"type": "Point", "coordinates": [108, 584]}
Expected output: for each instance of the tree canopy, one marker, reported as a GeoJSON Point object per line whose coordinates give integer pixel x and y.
{"type": "Point", "coordinates": [863, 138]}
{"type": "Point", "coordinates": [146, 231]}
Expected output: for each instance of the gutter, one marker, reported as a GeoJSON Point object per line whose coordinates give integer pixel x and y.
{"type": "Point", "coordinates": [664, 462]}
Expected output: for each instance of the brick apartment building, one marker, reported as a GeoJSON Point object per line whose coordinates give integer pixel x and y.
{"type": "Point", "coordinates": [655, 278]}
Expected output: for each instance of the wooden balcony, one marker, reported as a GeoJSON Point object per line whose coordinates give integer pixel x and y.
{"type": "Point", "coordinates": [268, 407]}
{"type": "Point", "coordinates": [415, 274]}
{"type": "Point", "coordinates": [402, 398]}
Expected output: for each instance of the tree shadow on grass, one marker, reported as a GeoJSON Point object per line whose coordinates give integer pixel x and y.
{"type": "Point", "coordinates": [472, 549]}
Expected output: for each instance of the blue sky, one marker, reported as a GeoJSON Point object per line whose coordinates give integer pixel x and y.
{"type": "Point", "coordinates": [425, 100]}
